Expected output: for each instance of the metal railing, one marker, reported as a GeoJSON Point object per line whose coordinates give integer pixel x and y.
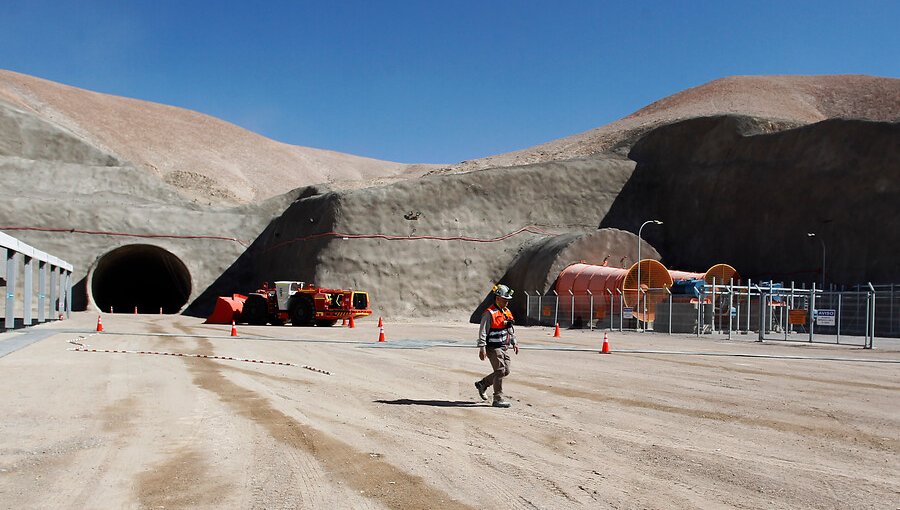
{"type": "Point", "coordinates": [54, 281]}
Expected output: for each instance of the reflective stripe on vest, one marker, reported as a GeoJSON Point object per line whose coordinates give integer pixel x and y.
{"type": "Point", "coordinates": [499, 332]}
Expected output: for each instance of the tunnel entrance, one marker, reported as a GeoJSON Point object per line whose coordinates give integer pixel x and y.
{"type": "Point", "coordinates": [143, 276]}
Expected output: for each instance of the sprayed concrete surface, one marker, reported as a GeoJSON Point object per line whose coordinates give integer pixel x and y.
{"type": "Point", "coordinates": [399, 424]}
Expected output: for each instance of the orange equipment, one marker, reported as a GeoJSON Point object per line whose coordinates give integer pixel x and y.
{"type": "Point", "coordinates": [723, 274]}
{"type": "Point", "coordinates": [304, 304]}
{"type": "Point", "coordinates": [227, 309]}
{"type": "Point", "coordinates": [603, 280]}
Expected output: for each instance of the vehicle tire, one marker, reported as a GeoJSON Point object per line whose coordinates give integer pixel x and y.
{"type": "Point", "coordinates": [256, 310]}
{"type": "Point", "coordinates": [302, 311]}
{"type": "Point", "coordinates": [326, 323]}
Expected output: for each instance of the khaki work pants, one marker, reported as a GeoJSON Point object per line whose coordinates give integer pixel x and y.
{"type": "Point", "coordinates": [500, 362]}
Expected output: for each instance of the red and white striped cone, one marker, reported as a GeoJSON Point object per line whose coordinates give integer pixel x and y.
{"type": "Point", "coordinates": [99, 324]}
{"type": "Point", "coordinates": [605, 348]}
{"type": "Point", "coordinates": [233, 329]}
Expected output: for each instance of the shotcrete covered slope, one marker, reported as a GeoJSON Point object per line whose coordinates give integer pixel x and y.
{"type": "Point", "coordinates": [750, 200]}
{"type": "Point", "coordinates": [81, 212]}
{"type": "Point", "coordinates": [480, 215]}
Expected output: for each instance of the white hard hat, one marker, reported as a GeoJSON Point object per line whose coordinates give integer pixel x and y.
{"type": "Point", "coordinates": [503, 291]}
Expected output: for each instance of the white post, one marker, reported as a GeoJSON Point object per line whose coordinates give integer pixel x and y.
{"type": "Point", "coordinates": [12, 269]}
{"type": "Point", "coordinates": [42, 289]}
{"type": "Point", "coordinates": [28, 287]}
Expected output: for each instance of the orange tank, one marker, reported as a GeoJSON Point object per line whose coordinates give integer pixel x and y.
{"type": "Point", "coordinates": [721, 273]}
{"type": "Point", "coordinates": [601, 280]}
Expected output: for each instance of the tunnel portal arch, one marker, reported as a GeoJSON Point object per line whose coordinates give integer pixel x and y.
{"type": "Point", "coordinates": [140, 275]}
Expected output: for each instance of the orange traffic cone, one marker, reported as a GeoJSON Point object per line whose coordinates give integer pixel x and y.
{"type": "Point", "coordinates": [380, 323]}
{"type": "Point", "coordinates": [135, 310]}
{"type": "Point", "coordinates": [381, 333]}
{"type": "Point", "coordinates": [343, 322]}
{"type": "Point", "coordinates": [352, 323]}
{"type": "Point", "coordinates": [605, 348]}
{"type": "Point", "coordinates": [233, 329]}
{"type": "Point", "coordinates": [99, 324]}
{"type": "Point", "coordinates": [556, 333]}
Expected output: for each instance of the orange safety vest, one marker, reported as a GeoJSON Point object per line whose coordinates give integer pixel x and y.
{"type": "Point", "coordinates": [498, 335]}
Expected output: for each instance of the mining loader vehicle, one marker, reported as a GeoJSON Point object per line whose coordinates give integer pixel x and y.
{"type": "Point", "coordinates": [303, 304]}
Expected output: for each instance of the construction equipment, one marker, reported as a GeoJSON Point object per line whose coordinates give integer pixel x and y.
{"type": "Point", "coordinates": [227, 309]}
{"type": "Point", "coordinates": [303, 304]}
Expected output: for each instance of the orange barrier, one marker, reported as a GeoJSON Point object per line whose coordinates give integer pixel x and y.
{"type": "Point", "coordinates": [227, 310]}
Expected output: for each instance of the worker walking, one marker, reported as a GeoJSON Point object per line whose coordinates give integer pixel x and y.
{"type": "Point", "coordinates": [495, 336]}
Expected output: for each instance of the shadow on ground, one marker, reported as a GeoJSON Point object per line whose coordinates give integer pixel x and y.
{"type": "Point", "coordinates": [432, 403]}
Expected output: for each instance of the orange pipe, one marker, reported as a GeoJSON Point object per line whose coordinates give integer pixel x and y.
{"type": "Point", "coordinates": [601, 280]}
{"type": "Point", "coordinates": [723, 274]}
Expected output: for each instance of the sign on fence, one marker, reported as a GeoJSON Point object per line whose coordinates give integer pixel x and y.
{"type": "Point", "coordinates": [825, 317]}
{"type": "Point", "coordinates": [797, 316]}
{"type": "Point", "coordinates": [627, 312]}
{"type": "Point", "coordinates": [548, 311]}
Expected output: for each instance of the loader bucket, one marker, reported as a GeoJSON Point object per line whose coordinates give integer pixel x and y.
{"type": "Point", "coordinates": [227, 309]}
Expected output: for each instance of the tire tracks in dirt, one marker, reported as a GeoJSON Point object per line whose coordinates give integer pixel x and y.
{"type": "Point", "coordinates": [877, 442]}
{"type": "Point", "coordinates": [371, 477]}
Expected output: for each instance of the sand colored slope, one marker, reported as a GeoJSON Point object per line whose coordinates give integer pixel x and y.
{"type": "Point", "coordinates": [790, 101]}
{"type": "Point", "coordinates": [204, 157]}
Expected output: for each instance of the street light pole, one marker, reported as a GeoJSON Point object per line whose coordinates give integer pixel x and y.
{"type": "Point", "coordinates": [813, 234]}
{"type": "Point", "coordinates": [639, 259]}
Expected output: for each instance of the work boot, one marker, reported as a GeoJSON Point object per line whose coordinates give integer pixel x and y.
{"type": "Point", "coordinates": [499, 402]}
{"type": "Point", "coordinates": [480, 389]}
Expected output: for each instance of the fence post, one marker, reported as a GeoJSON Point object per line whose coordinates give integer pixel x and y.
{"type": "Point", "coordinates": [527, 307]}
{"type": "Point", "coordinates": [670, 309]}
{"type": "Point", "coordinates": [556, 311]}
{"type": "Point", "coordinates": [621, 310]}
{"type": "Point", "coordinates": [840, 296]}
{"type": "Point", "coordinates": [572, 300]}
{"type": "Point", "coordinates": [713, 321]}
{"type": "Point", "coordinates": [812, 311]}
{"type": "Point", "coordinates": [642, 327]}
{"type": "Point", "coordinates": [730, 304]}
{"type": "Point", "coordinates": [699, 311]}
{"type": "Point", "coordinates": [872, 337]}
{"type": "Point", "coordinates": [762, 313]}
{"type": "Point", "coordinates": [591, 311]}
{"type": "Point", "coordinates": [612, 311]}
{"type": "Point", "coordinates": [749, 306]}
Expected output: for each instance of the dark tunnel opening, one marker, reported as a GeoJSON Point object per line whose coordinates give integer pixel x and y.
{"type": "Point", "coordinates": [143, 276]}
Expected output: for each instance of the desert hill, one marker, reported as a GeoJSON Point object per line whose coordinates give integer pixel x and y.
{"type": "Point", "coordinates": [786, 101]}
{"type": "Point", "coordinates": [201, 156]}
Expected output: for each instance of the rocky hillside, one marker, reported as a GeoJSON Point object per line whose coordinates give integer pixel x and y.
{"type": "Point", "coordinates": [204, 158]}
{"type": "Point", "coordinates": [785, 101]}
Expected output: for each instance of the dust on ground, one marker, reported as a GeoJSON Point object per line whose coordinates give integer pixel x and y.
{"type": "Point", "coordinates": [400, 425]}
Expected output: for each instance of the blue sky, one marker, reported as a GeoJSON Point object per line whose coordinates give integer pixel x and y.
{"type": "Point", "coordinates": [433, 81]}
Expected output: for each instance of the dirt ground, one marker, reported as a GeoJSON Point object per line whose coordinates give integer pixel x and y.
{"type": "Point", "coordinates": [400, 425]}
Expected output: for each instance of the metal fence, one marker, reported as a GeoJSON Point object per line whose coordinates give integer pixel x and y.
{"type": "Point", "coordinates": [52, 287]}
{"type": "Point", "coordinates": [768, 311]}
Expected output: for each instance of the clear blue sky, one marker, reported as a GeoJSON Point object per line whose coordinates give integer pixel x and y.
{"type": "Point", "coordinates": [433, 81]}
